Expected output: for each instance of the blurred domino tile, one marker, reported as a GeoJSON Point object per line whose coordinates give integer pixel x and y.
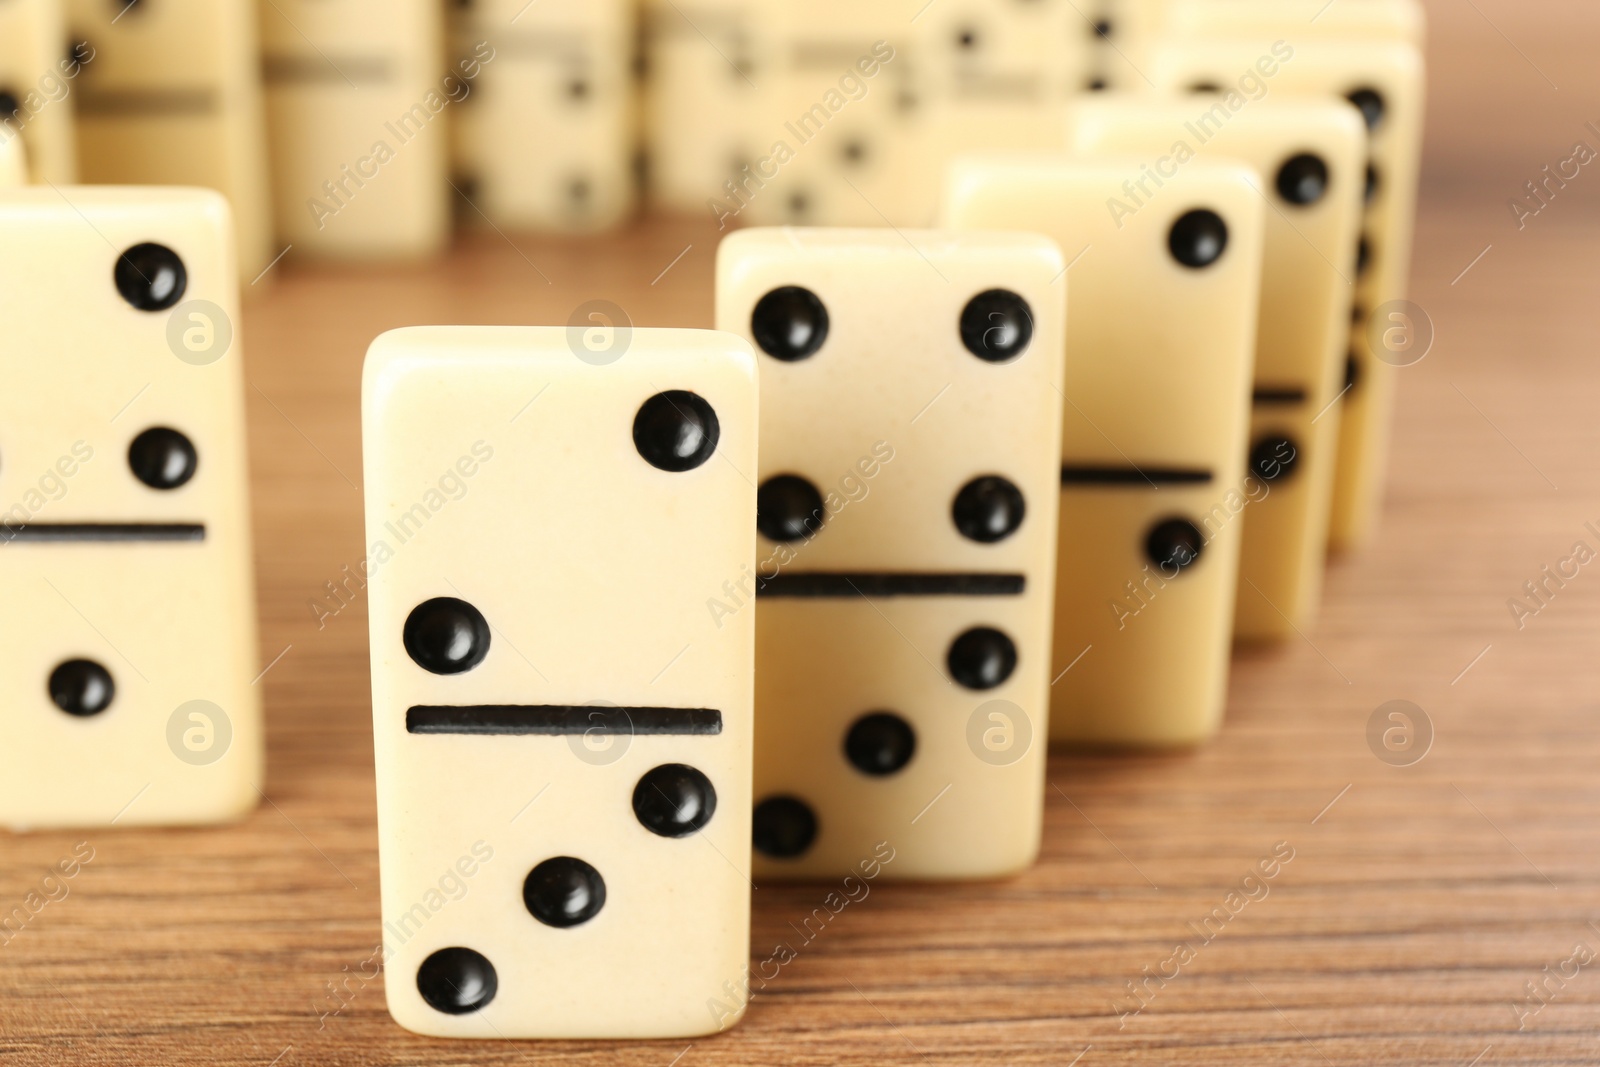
{"type": "Point", "coordinates": [37, 75]}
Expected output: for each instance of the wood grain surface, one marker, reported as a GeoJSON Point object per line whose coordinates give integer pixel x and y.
{"type": "Point", "coordinates": [1419, 902]}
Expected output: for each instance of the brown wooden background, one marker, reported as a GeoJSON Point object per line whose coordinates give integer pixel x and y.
{"type": "Point", "coordinates": [1416, 908]}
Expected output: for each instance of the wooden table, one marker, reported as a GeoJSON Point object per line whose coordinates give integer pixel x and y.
{"type": "Point", "coordinates": [1420, 900]}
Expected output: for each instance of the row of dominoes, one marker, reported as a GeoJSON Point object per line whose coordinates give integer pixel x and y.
{"type": "Point", "coordinates": [831, 113]}
{"type": "Point", "coordinates": [838, 113]}
{"type": "Point", "coordinates": [760, 112]}
{"type": "Point", "coordinates": [637, 637]}
{"type": "Point", "coordinates": [843, 649]}
{"type": "Point", "coordinates": [832, 117]}
{"type": "Point", "coordinates": [364, 110]}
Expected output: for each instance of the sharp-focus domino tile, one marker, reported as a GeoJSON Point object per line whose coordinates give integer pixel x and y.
{"type": "Point", "coordinates": [845, 108]}
{"type": "Point", "coordinates": [125, 532]}
{"type": "Point", "coordinates": [1311, 157]}
{"type": "Point", "coordinates": [997, 76]}
{"type": "Point", "coordinates": [909, 423]}
{"type": "Point", "coordinates": [712, 69]}
{"type": "Point", "coordinates": [357, 98]}
{"type": "Point", "coordinates": [37, 80]}
{"type": "Point", "coordinates": [1383, 78]}
{"type": "Point", "coordinates": [1161, 323]}
{"type": "Point", "coordinates": [545, 139]}
{"type": "Point", "coordinates": [555, 706]}
{"type": "Point", "coordinates": [172, 96]}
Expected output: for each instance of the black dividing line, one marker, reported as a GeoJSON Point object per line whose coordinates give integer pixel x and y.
{"type": "Point", "coordinates": [1145, 476]}
{"type": "Point", "coordinates": [539, 46]}
{"type": "Point", "coordinates": [821, 55]}
{"type": "Point", "coordinates": [559, 719]}
{"type": "Point", "coordinates": [44, 532]}
{"type": "Point", "coordinates": [148, 102]}
{"type": "Point", "coordinates": [315, 70]}
{"type": "Point", "coordinates": [879, 584]}
{"type": "Point", "coordinates": [1278, 394]}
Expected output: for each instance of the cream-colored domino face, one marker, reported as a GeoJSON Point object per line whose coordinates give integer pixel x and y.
{"type": "Point", "coordinates": [902, 664]}
{"type": "Point", "coordinates": [172, 97]}
{"type": "Point", "coordinates": [544, 140]}
{"type": "Point", "coordinates": [13, 164]}
{"type": "Point", "coordinates": [357, 98]}
{"type": "Point", "coordinates": [1135, 27]}
{"type": "Point", "coordinates": [1131, 26]}
{"type": "Point", "coordinates": [38, 74]}
{"type": "Point", "coordinates": [1295, 20]}
{"type": "Point", "coordinates": [846, 112]}
{"type": "Point", "coordinates": [713, 68]}
{"type": "Point", "coordinates": [997, 78]}
{"type": "Point", "coordinates": [1311, 156]}
{"type": "Point", "coordinates": [1020, 54]}
{"type": "Point", "coordinates": [125, 530]}
{"type": "Point", "coordinates": [573, 701]}
{"type": "Point", "coordinates": [1386, 78]}
{"type": "Point", "coordinates": [1158, 363]}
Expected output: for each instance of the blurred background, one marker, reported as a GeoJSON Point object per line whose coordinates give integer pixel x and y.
{"type": "Point", "coordinates": [560, 117]}
{"type": "Point", "coordinates": [1428, 903]}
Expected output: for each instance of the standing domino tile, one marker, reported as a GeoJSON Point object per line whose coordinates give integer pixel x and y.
{"type": "Point", "coordinates": [36, 87]}
{"type": "Point", "coordinates": [1311, 156]}
{"type": "Point", "coordinates": [13, 163]}
{"type": "Point", "coordinates": [556, 714]}
{"type": "Point", "coordinates": [1160, 342]}
{"type": "Point", "coordinates": [712, 70]}
{"type": "Point", "coordinates": [172, 96]}
{"type": "Point", "coordinates": [1383, 78]}
{"type": "Point", "coordinates": [126, 531]}
{"type": "Point", "coordinates": [1122, 30]}
{"type": "Point", "coordinates": [997, 78]}
{"type": "Point", "coordinates": [845, 112]}
{"type": "Point", "coordinates": [357, 95]}
{"type": "Point", "coordinates": [1400, 20]}
{"type": "Point", "coordinates": [1140, 26]}
{"type": "Point", "coordinates": [545, 139]}
{"type": "Point", "coordinates": [909, 422]}
{"type": "Point", "coordinates": [1012, 64]}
